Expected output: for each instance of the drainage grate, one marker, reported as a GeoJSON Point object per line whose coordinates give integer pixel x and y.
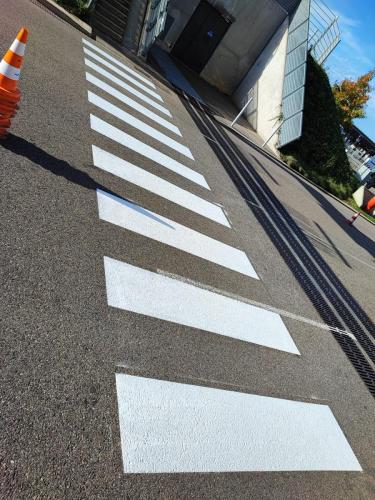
{"type": "Point", "coordinates": [336, 306]}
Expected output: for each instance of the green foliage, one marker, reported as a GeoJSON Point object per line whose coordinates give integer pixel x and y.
{"type": "Point", "coordinates": [76, 7]}
{"type": "Point", "coordinates": [320, 153]}
{"type": "Point", "coordinates": [351, 97]}
{"type": "Point", "coordinates": [353, 204]}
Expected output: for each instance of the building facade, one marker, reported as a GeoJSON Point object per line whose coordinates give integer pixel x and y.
{"type": "Point", "coordinates": [243, 48]}
{"type": "Point", "coordinates": [360, 150]}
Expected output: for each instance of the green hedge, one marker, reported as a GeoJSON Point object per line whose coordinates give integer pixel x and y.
{"type": "Point", "coordinates": [320, 153]}
{"type": "Point", "coordinates": [77, 7]}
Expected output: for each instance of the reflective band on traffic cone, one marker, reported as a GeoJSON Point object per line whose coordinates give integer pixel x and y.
{"type": "Point", "coordinates": [10, 66]}
{"type": "Point", "coordinates": [10, 69]}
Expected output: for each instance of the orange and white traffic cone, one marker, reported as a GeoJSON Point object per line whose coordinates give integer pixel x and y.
{"type": "Point", "coordinates": [10, 69]}
{"type": "Point", "coordinates": [353, 219]}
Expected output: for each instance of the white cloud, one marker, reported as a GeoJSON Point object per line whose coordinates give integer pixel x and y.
{"type": "Point", "coordinates": [350, 59]}
{"type": "Point", "coordinates": [352, 42]}
{"type": "Point", "coordinates": [347, 21]}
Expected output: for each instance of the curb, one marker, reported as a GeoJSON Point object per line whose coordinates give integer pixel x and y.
{"type": "Point", "coordinates": [67, 16]}
{"type": "Point", "coordinates": [290, 169]}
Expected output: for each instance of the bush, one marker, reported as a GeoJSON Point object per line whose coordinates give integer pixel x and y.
{"type": "Point", "coordinates": [76, 7]}
{"type": "Point", "coordinates": [320, 153]}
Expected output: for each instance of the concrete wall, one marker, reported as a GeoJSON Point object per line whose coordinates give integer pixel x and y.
{"type": "Point", "coordinates": [255, 21]}
{"type": "Point", "coordinates": [288, 5]}
{"type": "Point", "coordinates": [266, 77]}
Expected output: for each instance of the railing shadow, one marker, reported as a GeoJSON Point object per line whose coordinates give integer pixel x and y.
{"type": "Point", "coordinates": [336, 306]}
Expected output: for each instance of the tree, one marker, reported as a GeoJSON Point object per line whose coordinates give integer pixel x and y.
{"type": "Point", "coordinates": [320, 153]}
{"type": "Point", "coordinates": [351, 97]}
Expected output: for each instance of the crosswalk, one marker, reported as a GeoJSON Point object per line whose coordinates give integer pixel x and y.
{"type": "Point", "coordinates": [156, 185]}
{"type": "Point", "coordinates": [139, 220]}
{"type": "Point", "coordinates": [138, 124]}
{"type": "Point", "coordinates": [224, 431]}
{"type": "Point", "coordinates": [145, 150]}
{"type": "Point", "coordinates": [120, 96]}
{"type": "Point", "coordinates": [167, 426]}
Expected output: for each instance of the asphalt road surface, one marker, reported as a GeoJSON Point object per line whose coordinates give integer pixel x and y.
{"type": "Point", "coordinates": [182, 317]}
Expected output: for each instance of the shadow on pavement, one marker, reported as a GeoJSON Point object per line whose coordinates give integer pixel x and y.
{"type": "Point", "coordinates": [265, 170]}
{"type": "Point", "coordinates": [332, 244]}
{"type": "Point", "coordinates": [22, 147]}
{"type": "Point", "coordinates": [361, 239]}
{"type": "Point", "coordinates": [62, 168]}
{"type": "Point", "coordinates": [358, 236]}
{"type": "Point", "coordinates": [335, 304]}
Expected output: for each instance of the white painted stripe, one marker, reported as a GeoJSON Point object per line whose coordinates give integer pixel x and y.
{"type": "Point", "coordinates": [9, 71]}
{"type": "Point", "coordinates": [125, 86]}
{"type": "Point", "coordinates": [120, 64]}
{"type": "Point", "coordinates": [143, 149]}
{"type": "Point", "coordinates": [130, 79]}
{"type": "Point", "coordinates": [152, 225]}
{"type": "Point", "coordinates": [131, 103]}
{"type": "Point", "coordinates": [18, 48]}
{"type": "Point", "coordinates": [144, 292]}
{"type": "Point", "coordinates": [168, 427]}
{"type": "Point", "coordinates": [146, 180]}
{"type": "Point", "coordinates": [138, 124]}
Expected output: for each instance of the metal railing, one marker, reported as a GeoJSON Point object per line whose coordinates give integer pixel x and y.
{"type": "Point", "coordinates": [324, 32]}
{"type": "Point", "coordinates": [154, 24]}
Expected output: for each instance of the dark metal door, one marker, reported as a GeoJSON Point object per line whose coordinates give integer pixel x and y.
{"type": "Point", "coordinates": [201, 36]}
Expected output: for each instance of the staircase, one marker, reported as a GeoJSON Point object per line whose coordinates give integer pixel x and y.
{"type": "Point", "coordinates": [110, 17]}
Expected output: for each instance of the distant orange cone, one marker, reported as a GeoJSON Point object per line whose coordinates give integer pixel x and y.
{"type": "Point", "coordinates": [353, 219]}
{"type": "Point", "coordinates": [10, 70]}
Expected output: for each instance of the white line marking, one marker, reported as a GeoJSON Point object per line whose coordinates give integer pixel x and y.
{"type": "Point", "coordinates": [152, 225]}
{"type": "Point", "coordinates": [262, 305]}
{"type": "Point", "coordinates": [138, 124]}
{"type": "Point", "coordinates": [146, 180]}
{"type": "Point", "coordinates": [122, 74]}
{"type": "Point", "coordinates": [144, 292]}
{"type": "Point", "coordinates": [143, 149]}
{"type": "Point", "coordinates": [120, 64]}
{"type": "Point", "coordinates": [125, 86]}
{"type": "Point", "coordinates": [169, 427]}
{"type": "Point", "coordinates": [131, 103]}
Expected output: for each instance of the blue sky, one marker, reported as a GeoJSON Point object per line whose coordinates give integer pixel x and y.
{"type": "Point", "coordinates": [355, 55]}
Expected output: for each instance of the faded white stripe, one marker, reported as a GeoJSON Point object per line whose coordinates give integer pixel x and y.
{"type": "Point", "coordinates": [146, 180]}
{"type": "Point", "coordinates": [131, 103]}
{"type": "Point", "coordinates": [167, 427]}
{"type": "Point", "coordinates": [138, 124]}
{"type": "Point", "coordinates": [9, 71]}
{"type": "Point", "coordinates": [125, 86]}
{"type": "Point", "coordinates": [130, 79]}
{"type": "Point", "coordinates": [143, 149]}
{"type": "Point", "coordinates": [144, 292]}
{"type": "Point", "coordinates": [120, 64]}
{"type": "Point", "coordinates": [18, 48]}
{"type": "Point", "coordinates": [154, 226]}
